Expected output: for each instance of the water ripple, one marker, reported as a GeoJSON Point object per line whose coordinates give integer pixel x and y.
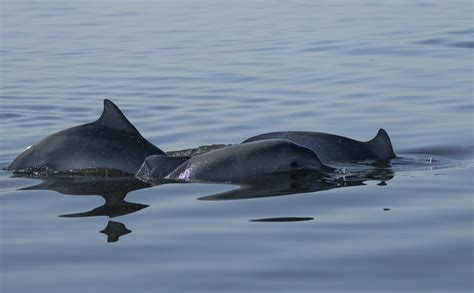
{"type": "Point", "coordinates": [190, 73]}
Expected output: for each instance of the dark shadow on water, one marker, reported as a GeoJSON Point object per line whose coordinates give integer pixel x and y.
{"type": "Point", "coordinates": [114, 230]}
{"type": "Point", "coordinates": [283, 219]}
{"type": "Point", "coordinates": [303, 181]}
{"type": "Point", "coordinates": [115, 189]}
{"type": "Point", "coordinates": [112, 189]}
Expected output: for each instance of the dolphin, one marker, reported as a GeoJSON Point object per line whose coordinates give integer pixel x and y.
{"type": "Point", "coordinates": [238, 162]}
{"type": "Point", "coordinates": [332, 148]}
{"type": "Point", "coordinates": [111, 146]}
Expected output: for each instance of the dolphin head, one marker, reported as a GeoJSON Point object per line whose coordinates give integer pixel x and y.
{"type": "Point", "coordinates": [280, 155]}
{"type": "Point", "coordinates": [297, 157]}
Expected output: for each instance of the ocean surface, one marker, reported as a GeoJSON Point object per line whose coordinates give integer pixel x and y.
{"type": "Point", "coordinates": [191, 73]}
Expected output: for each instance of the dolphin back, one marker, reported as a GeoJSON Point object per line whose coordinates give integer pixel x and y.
{"type": "Point", "coordinates": [335, 148]}
{"type": "Point", "coordinates": [109, 143]}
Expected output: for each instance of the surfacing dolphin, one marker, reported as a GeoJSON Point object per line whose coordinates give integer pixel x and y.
{"type": "Point", "coordinates": [332, 148]}
{"type": "Point", "coordinates": [111, 145]}
{"type": "Point", "coordinates": [238, 162]}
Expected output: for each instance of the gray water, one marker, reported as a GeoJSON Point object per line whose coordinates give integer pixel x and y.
{"type": "Point", "coordinates": [190, 73]}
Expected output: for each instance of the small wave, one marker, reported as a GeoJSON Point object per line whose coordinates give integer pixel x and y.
{"type": "Point", "coordinates": [448, 152]}
{"type": "Point", "coordinates": [432, 158]}
{"type": "Point", "coordinates": [466, 44]}
{"type": "Point", "coordinates": [432, 41]}
{"type": "Point", "coordinates": [421, 162]}
{"type": "Point", "coordinates": [446, 42]}
{"type": "Point", "coordinates": [462, 32]}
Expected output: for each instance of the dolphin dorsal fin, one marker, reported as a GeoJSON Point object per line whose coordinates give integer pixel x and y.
{"type": "Point", "coordinates": [112, 117]}
{"type": "Point", "coordinates": [381, 146]}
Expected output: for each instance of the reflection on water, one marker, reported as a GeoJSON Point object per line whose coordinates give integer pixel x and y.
{"type": "Point", "coordinates": [114, 230]}
{"type": "Point", "coordinates": [114, 190]}
{"type": "Point", "coordinates": [301, 181]}
{"type": "Point", "coordinates": [283, 219]}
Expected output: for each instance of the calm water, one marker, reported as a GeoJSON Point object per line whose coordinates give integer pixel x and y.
{"type": "Point", "coordinates": [189, 73]}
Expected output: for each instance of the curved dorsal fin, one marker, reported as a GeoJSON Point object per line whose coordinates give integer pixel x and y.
{"type": "Point", "coordinates": [112, 117]}
{"type": "Point", "coordinates": [381, 146]}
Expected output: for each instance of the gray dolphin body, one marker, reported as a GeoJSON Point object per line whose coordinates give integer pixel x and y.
{"type": "Point", "coordinates": [332, 148]}
{"type": "Point", "coordinates": [238, 162]}
{"type": "Point", "coordinates": [110, 144]}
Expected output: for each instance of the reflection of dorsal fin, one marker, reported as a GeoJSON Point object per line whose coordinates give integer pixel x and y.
{"type": "Point", "coordinates": [381, 146]}
{"type": "Point", "coordinates": [109, 211]}
{"type": "Point", "coordinates": [112, 117]}
{"type": "Point", "coordinates": [114, 230]}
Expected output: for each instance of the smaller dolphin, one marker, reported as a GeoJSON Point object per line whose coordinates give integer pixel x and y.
{"type": "Point", "coordinates": [332, 148]}
{"type": "Point", "coordinates": [238, 162]}
{"type": "Point", "coordinates": [110, 145]}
